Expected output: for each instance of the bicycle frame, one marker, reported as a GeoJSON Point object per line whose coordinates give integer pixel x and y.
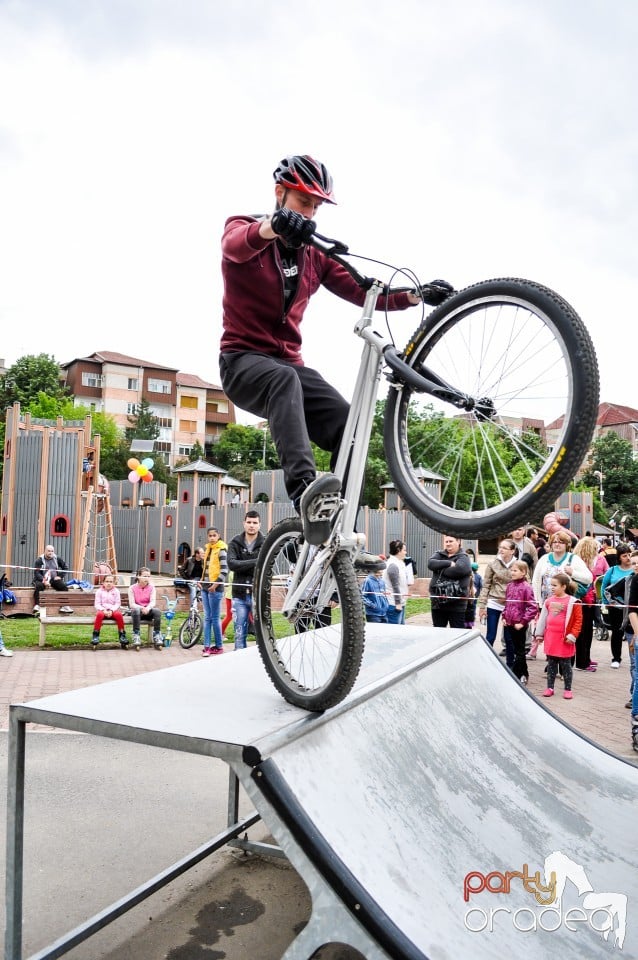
{"type": "Point", "coordinates": [351, 461]}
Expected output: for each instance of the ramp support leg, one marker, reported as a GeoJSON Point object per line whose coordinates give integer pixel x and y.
{"type": "Point", "coordinates": [249, 846]}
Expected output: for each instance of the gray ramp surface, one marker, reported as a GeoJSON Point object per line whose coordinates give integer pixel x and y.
{"type": "Point", "coordinates": [424, 811]}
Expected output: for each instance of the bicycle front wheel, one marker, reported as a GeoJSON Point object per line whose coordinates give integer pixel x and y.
{"type": "Point", "coordinates": [527, 366]}
{"type": "Point", "coordinates": [190, 631]}
{"type": "Point", "coordinates": [313, 655]}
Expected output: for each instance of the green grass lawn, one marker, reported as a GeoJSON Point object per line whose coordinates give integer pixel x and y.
{"type": "Point", "coordinates": [22, 632]}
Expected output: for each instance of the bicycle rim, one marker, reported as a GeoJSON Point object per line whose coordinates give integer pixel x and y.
{"type": "Point", "coordinates": [190, 631]}
{"type": "Point", "coordinates": [313, 656]}
{"type": "Point", "coordinates": [528, 366]}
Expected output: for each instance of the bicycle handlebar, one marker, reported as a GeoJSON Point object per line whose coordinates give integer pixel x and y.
{"type": "Point", "coordinates": [337, 250]}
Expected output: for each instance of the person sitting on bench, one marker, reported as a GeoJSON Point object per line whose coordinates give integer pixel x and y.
{"type": "Point", "coordinates": [48, 572]}
{"type": "Point", "coordinates": [141, 597]}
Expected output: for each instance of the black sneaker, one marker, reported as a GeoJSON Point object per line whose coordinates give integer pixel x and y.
{"type": "Point", "coordinates": [634, 733]}
{"type": "Point", "coordinates": [318, 507]}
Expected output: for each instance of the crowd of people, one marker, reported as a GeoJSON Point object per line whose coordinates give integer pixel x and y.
{"type": "Point", "coordinates": [546, 593]}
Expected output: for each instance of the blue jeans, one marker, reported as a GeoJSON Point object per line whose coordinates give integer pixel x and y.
{"type": "Point", "coordinates": [212, 602]}
{"type": "Point", "coordinates": [634, 705]}
{"type": "Point", "coordinates": [493, 617]}
{"type": "Point", "coordinates": [395, 616]}
{"type": "Point", "coordinates": [241, 611]}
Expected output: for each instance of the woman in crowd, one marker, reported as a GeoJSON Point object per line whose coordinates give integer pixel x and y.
{"type": "Point", "coordinates": [395, 577]}
{"type": "Point", "coordinates": [560, 559]}
{"type": "Point", "coordinates": [495, 579]}
{"type": "Point", "coordinates": [613, 591]}
{"type": "Point", "coordinates": [589, 552]}
{"type": "Point", "coordinates": [451, 570]}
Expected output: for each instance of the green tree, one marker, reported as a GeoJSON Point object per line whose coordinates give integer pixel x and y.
{"type": "Point", "coordinates": [197, 452]}
{"type": "Point", "coordinates": [613, 457]}
{"type": "Point", "coordinates": [377, 472]}
{"type": "Point", "coordinates": [47, 407]}
{"type": "Point", "coordinates": [143, 425]}
{"type": "Point", "coordinates": [242, 449]}
{"type": "Point", "coordinates": [28, 377]}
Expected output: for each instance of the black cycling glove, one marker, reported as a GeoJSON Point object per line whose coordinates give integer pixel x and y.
{"type": "Point", "coordinates": [292, 227]}
{"type": "Point", "coordinates": [435, 292]}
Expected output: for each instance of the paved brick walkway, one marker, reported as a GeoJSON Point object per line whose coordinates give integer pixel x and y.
{"type": "Point", "coordinates": [597, 710]}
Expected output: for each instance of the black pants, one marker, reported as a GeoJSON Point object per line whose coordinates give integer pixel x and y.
{"type": "Point", "coordinates": [565, 666]}
{"type": "Point", "coordinates": [40, 586]}
{"type": "Point", "coordinates": [517, 640]}
{"type": "Point", "coordinates": [584, 639]}
{"type": "Point", "coordinates": [297, 402]}
{"type": "Point", "coordinates": [449, 615]}
{"type": "Point", "coordinates": [614, 618]}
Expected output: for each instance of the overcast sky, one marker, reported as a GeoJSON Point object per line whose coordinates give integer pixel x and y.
{"type": "Point", "coordinates": [467, 140]}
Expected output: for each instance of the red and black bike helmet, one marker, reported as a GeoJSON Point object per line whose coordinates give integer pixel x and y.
{"type": "Point", "coordinates": [307, 175]}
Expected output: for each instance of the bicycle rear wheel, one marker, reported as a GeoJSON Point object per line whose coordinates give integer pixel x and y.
{"type": "Point", "coordinates": [313, 656]}
{"type": "Point", "coordinates": [527, 364]}
{"type": "Point", "coordinates": [190, 631]}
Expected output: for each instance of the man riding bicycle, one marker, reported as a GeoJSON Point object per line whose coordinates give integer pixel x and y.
{"type": "Point", "coordinates": [269, 276]}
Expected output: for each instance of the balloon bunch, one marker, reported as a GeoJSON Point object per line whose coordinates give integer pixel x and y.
{"type": "Point", "coordinates": [140, 471]}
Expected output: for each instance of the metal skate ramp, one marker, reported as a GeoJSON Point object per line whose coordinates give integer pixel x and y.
{"type": "Point", "coordinates": [438, 779]}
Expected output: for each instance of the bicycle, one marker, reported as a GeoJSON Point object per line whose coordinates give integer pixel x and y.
{"type": "Point", "coordinates": [169, 616]}
{"type": "Point", "coordinates": [191, 629]}
{"type": "Point", "coordinates": [500, 359]}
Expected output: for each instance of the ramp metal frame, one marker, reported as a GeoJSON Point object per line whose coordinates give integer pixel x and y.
{"type": "Point", "coordinates": [439, 763]}
{"type": "Point", "coordinates": [122, 710]}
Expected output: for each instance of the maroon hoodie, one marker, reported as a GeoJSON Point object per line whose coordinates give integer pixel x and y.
{"type": "Point", "coordinates": [254, 318]}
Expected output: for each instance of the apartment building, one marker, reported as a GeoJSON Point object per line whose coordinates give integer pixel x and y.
{"type": "Point", "coordinates": [188, 409]}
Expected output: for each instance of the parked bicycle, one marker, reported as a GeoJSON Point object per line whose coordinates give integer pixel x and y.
{"type": "Point", "coordinates": [494, 398]}
{"type": "Point", "coordinates": [169, 616]}
{"type": "Point", "coordinates": [191, 629]}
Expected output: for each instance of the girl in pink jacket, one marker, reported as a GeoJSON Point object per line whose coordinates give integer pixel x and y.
{"type": "Point", "coordinates": [108, 605]}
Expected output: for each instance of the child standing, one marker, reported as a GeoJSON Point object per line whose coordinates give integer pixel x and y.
{"type": "Point", "coordinates": [476, 585]}
{"type": "Point", "coordinates": [108, 605]}
{"type": "Point", "coordinates": [375, 600]}
{"type": "Point", "coordinates": [520, 610]}
{"type": "Point", "coordinates": [559, 625]}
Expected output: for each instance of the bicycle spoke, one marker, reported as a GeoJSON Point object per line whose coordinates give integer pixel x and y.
{"type": "Point", "coordinates": [524, 359]}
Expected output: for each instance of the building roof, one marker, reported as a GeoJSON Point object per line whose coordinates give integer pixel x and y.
{"type": "Point", "coordinates": [199, 466]}
{"type": "Point", "coordinates": [610, 414]}
{"type": "Point", "coordinates": [192, 380]}
{"type": "Point", "coordinates": [231, 482]}
{"type": "Point", "coordinates": [107, 356]}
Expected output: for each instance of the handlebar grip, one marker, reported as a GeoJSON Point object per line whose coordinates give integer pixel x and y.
{"type": "Point", "coordinates": [326, 245]}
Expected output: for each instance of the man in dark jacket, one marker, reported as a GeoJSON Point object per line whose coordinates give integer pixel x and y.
{"type": "Point", "coordinates": [242, 554]}
{"type": "Point", "coordinates": [48, 572]}
{"type": "Point", "coordinates": [451, 572]}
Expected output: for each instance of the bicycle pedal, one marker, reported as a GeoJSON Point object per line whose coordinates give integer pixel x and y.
{"type": "Point", "coordinates": [326, 485]}
{"type": "Point", "coordinates": [319, 505]}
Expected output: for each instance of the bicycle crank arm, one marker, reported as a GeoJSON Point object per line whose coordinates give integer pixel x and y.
{"type": "Point", "coordinates": [426, 381]}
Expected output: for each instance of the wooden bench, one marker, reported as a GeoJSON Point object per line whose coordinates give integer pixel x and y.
{"type": "Point", "coordinates": [72, 619]}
